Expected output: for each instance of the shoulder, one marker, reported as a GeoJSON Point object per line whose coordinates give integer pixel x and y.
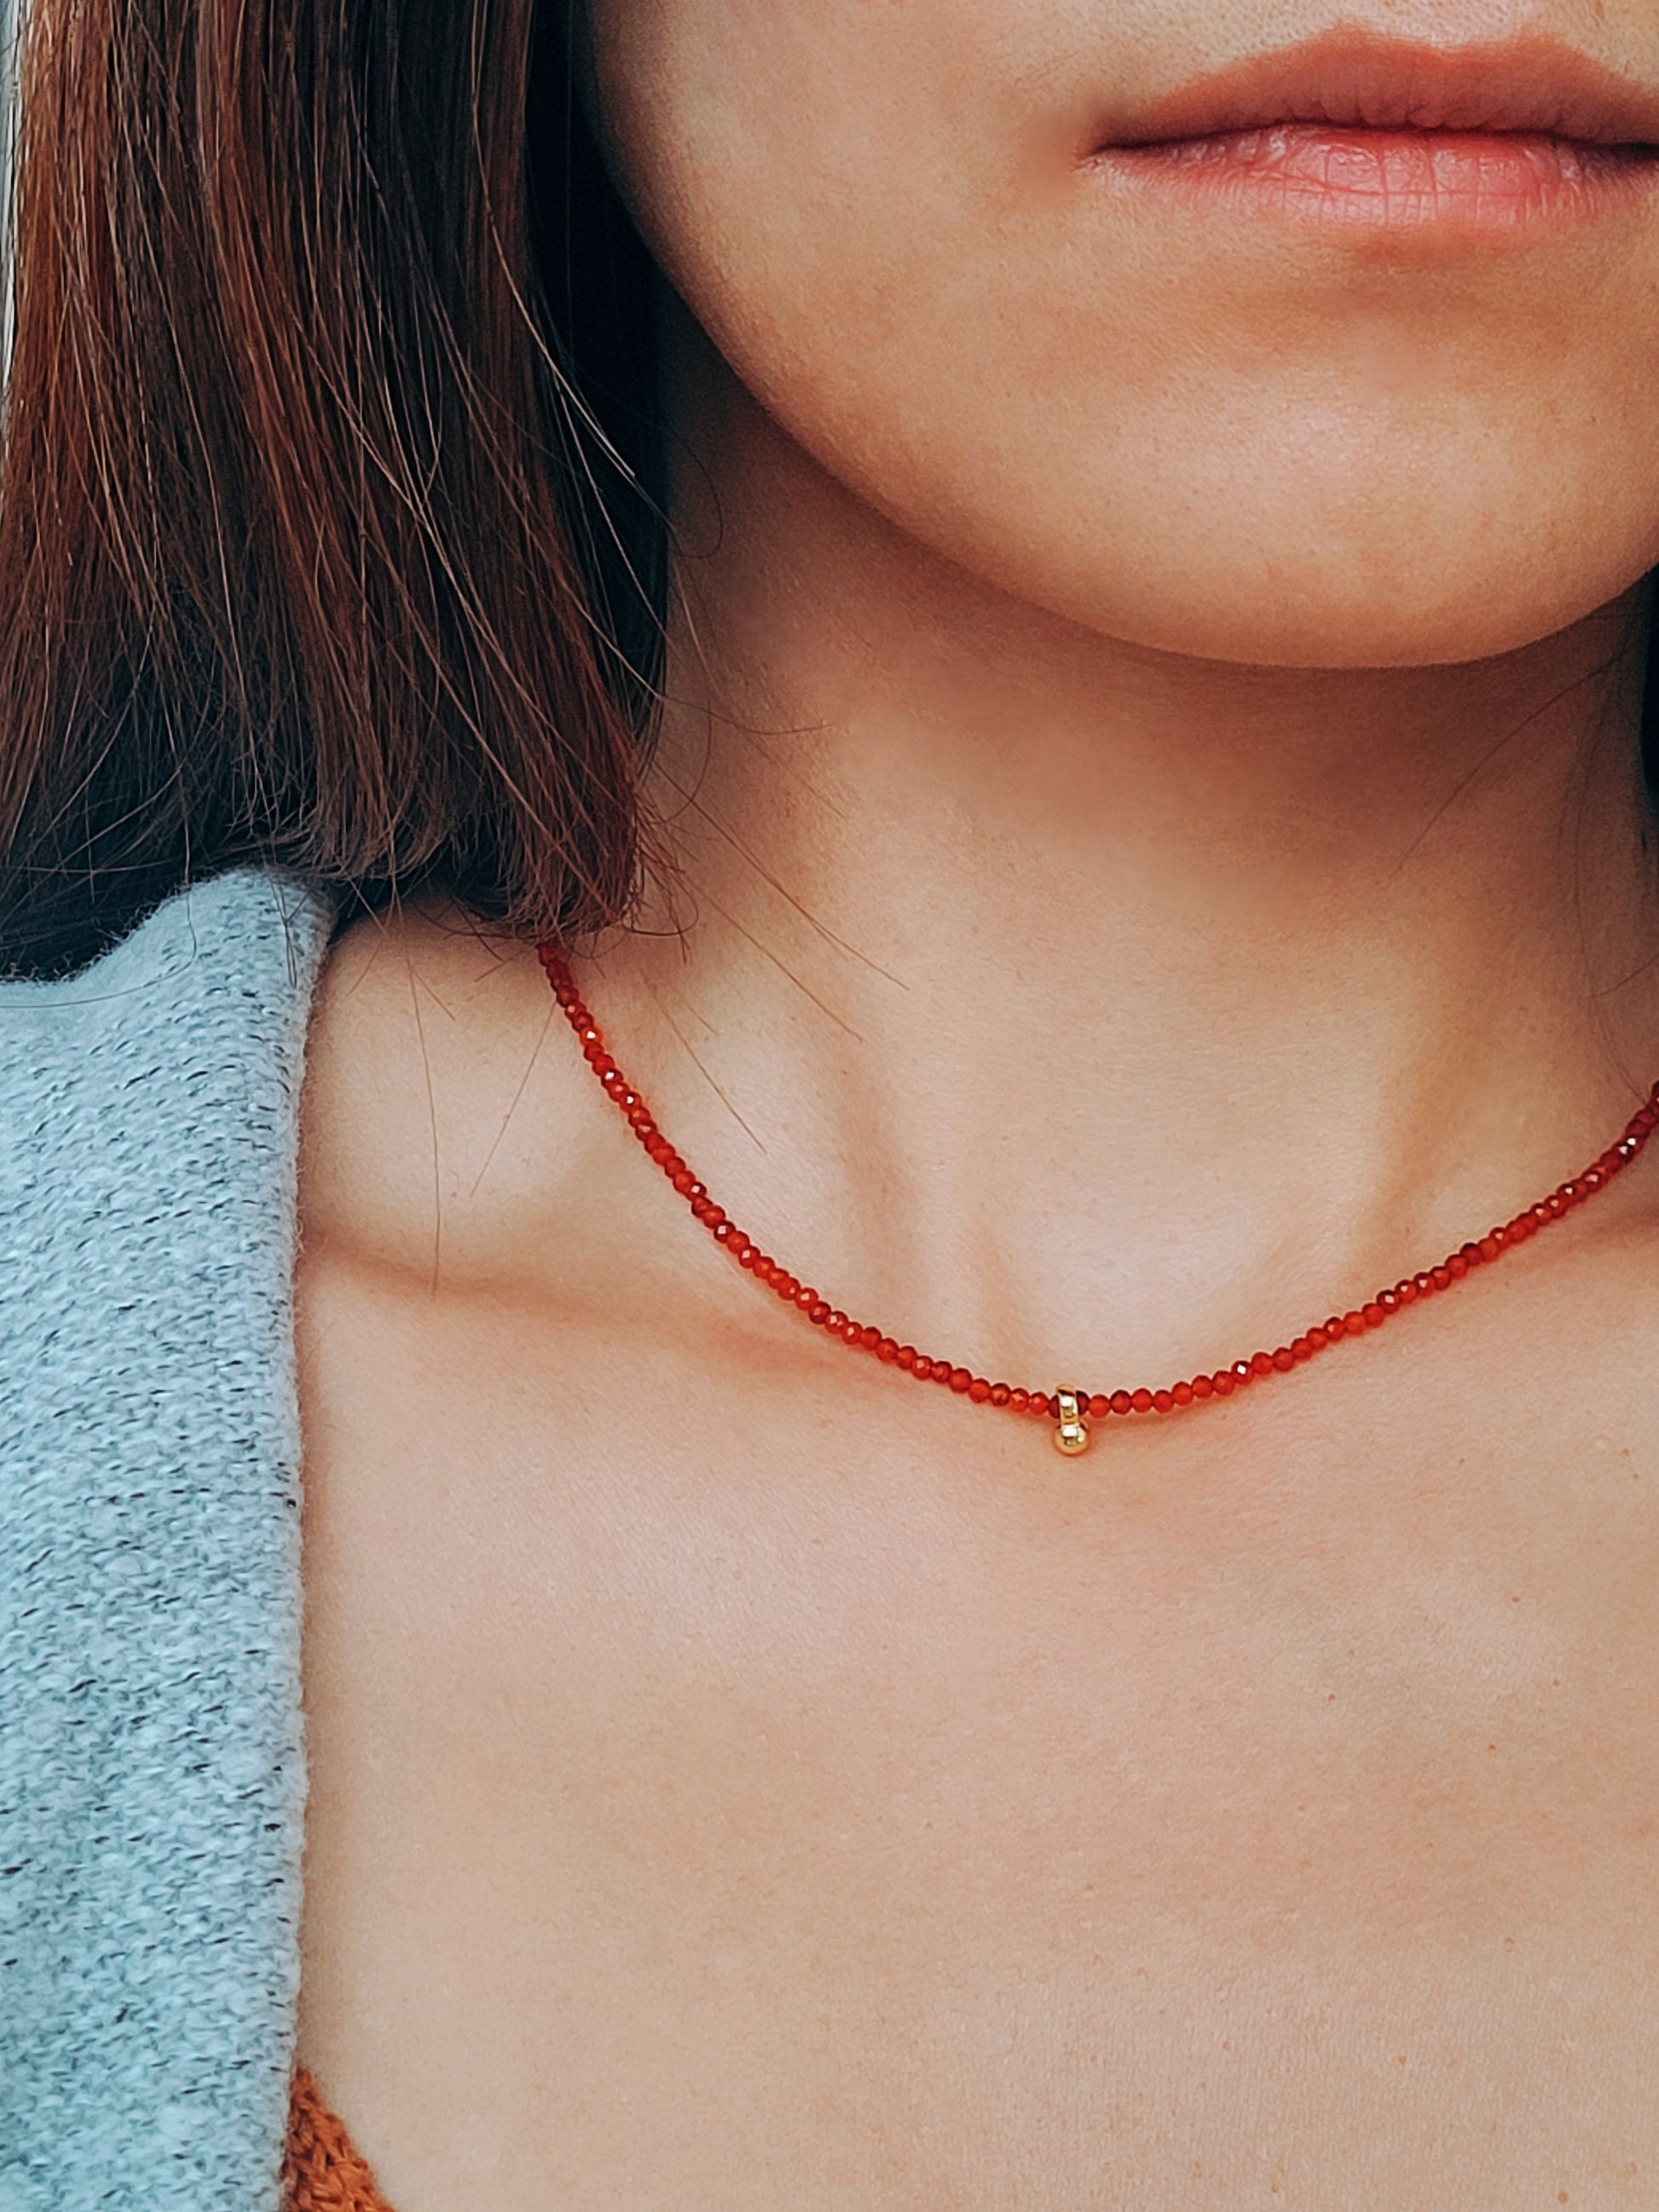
{"type": "Point", "coordinates": [148, 1110]}
{"type": "Point", "coordinates": [227, 967]}
{"type": "Point", "coordinates": [445, 1118]}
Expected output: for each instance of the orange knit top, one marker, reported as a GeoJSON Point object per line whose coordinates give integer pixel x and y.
{"type": "Point", "coordinates": [323, 2170]}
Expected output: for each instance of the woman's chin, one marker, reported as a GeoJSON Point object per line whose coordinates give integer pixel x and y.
{"type": "Point", "coordinates": [1371, 612]}
{"type": "Point", "coordinates": [1353, 637]}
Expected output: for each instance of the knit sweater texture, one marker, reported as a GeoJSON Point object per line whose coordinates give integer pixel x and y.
{"type": "Point", "coordinates": [151, 1755]}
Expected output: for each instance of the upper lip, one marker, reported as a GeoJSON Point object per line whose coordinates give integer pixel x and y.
{"type": "Point", "coordinates": [1535, 82]}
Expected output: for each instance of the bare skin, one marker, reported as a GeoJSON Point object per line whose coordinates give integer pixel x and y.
{"type": "Point", "coordinates": [742, 1780]}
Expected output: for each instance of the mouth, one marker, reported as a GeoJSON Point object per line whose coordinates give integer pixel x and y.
{"type": "Point", "coordinates": [1378, 133]}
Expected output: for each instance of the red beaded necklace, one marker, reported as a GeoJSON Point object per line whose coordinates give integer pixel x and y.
{"type": "Point", "coordinates": [1072, 1410]}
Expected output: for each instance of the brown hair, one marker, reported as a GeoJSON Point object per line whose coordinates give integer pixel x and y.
{"type": "Point", "coordinates": [330, 527]}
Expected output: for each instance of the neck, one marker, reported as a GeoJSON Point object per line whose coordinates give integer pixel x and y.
{"type": "Point", "coordinates": [1028, 974]}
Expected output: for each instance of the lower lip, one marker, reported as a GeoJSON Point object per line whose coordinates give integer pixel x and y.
{"type": "Point", "coordinates": [1396, 180]}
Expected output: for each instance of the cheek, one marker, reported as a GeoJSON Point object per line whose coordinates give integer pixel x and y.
{"type": "Point", "coordinates": [752, 132]}
{"type": "Point", "coordinates": [1229, 441]}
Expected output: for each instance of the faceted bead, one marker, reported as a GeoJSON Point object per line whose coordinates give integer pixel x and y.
{"type": "Point", "coordinates": [887, 1352]}
{"type": "Point", "coordinates": [818, 1313]}
{"type": "Point", "coordinates": [906, 1357]}
{"type": "Point", "coordinates": [1019, 1401]}
{"type": "Point", "coordinates": [1162, 1400]}
{"type": "Point", "coordinates": [1121, 1402]}
{"type": "Point", "coordinates": [1316, 1339]}
{"type": "Point", "coordinates": [1261, 1363]}
{"type": "Point", "coordinates": [1222, 1383]}
{"type": "Point", "coordinates": [1284, 1359]}
{"type": "Point", "coordinates": [869, 1336]}
{"type": "Point", "coordinates": [1203, 1388]}
{"type": "Point", "coordinates": [1372, 1315]}
{"type": "Point", "coordinates": [922, 1368]}
{"type": "Point", "coordinates": [1141, 1400]}
{"type": "Point", "coordinates": [1000, 1394]}
{"type": "Point", "coordinates": [1182, 1393]}
{"type": "Point", "coordinates": [806, 1298]}
{"type": "Point", "coordinates": [979, 1389]}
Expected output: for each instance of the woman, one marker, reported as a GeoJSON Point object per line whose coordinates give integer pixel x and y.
{"type": "Point", "coordinates": [1057, 660]}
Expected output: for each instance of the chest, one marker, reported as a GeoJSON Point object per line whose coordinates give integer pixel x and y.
{"type": "Point", "coordinates": [735, 1795]}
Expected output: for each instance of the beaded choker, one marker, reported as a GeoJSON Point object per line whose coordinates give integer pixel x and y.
{"type": "Point", "coordinates": [1071, 1410]}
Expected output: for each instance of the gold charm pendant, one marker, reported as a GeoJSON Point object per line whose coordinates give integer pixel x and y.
{"type": "Point", "coordinates": [1071, 1434]}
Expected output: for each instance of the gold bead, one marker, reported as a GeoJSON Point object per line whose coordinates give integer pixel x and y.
{"type": "Point", "coordinates": [1071, 1435]}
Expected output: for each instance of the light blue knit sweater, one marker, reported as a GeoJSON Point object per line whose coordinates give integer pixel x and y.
{"type": "Point", "coordinates": [151, 1782]}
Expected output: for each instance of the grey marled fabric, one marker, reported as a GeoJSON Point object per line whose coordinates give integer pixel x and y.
{"type": "Point", "coordinates": [151, 1775]}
